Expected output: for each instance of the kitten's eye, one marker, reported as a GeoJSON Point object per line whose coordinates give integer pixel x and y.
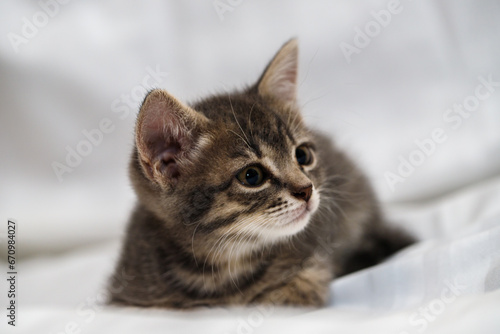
{"type": "Point", "coordinates": [251, 176]}
{"type": "Point", "coordinates": [303, 155]}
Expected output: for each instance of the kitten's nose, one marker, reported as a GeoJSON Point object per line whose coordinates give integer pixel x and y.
{"type": "Point", "coordinates": [303, 193]}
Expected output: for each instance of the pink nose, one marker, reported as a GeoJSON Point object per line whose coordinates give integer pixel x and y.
{"type": "Point", "coordinates": [303, 193]}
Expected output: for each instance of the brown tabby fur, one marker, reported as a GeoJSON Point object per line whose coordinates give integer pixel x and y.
{"type": "Point", "coordinates": [200, 237]}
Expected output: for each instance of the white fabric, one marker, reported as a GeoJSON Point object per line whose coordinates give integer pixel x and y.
{"type": "Point", "coordinates": [75, 68]}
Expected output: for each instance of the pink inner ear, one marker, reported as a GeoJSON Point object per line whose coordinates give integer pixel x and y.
{"type": "Point", "coordinates": [164, 135]}
{"type": "Point", "coordinates": [169, 165]}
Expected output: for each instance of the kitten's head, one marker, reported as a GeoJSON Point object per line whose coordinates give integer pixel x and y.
{"type": "Point", "coordinates": [241, 164]}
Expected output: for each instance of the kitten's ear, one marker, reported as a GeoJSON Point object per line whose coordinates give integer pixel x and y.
{"type": "Point", "coordinates": [168, 134]}
{"type": "Point", "coordinates": [279, 80]}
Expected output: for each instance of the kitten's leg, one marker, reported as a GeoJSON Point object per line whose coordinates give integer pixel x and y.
{"type": "Point", "coordinates": [378, 243]}
{"type": "Point", "coordinates": [306, 285]}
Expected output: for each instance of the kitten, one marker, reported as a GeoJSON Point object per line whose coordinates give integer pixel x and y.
{"type": "Point", "coordinates": [239, 202]}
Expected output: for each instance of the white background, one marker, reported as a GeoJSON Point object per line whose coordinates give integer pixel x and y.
{"type": "Point", "coordinates": [72, 72]}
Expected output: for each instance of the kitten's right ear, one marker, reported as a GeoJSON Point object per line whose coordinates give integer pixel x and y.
{"type": "Point", "coordinates": [167, 135]}
{"type": "Point", "coordinates": [279, 80]}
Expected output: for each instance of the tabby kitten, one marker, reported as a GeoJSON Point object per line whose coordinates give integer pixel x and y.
{"type": "Point", "coordinates": [239, 202]}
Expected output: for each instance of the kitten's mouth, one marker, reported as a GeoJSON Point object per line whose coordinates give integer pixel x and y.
{"type": "Point", "coordinates": [302, 213]}
{"type": "Point", "coordinates": [296, 219]}
{"type": "Point", "coordinates": [299, 216]}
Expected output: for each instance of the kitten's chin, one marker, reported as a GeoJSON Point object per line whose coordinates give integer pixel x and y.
{"type": "Point", "coordinates": [296, 222]}
{"type": "Point", "coordinates": [289, 228]}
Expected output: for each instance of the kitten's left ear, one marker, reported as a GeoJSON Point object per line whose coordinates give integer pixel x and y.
{"type": "Point", "coordinates": [168, 137]}
{"type": "Point", "coordinates": [279, 80]}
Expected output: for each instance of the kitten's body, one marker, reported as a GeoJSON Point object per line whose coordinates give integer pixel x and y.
{"type": "Point", "coordinates": [200, 235]}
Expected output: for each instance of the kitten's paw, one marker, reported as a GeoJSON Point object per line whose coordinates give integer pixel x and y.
{"type": "Point", "coordinates": [309, 287]}
{"type": "Point", "coordinates": [299, 295]}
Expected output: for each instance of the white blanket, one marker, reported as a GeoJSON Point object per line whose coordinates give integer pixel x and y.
{"type": "Point", "coordinates": [410, 90]}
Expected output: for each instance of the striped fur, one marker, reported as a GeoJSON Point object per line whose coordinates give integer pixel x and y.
{"type": "Point", "coordinates": [198, 236]}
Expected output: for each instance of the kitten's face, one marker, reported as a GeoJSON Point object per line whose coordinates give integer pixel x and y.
{"type": "Point", "coordinates": [260, 167]}
{"type": "Point", "coordinates": [242, 165]}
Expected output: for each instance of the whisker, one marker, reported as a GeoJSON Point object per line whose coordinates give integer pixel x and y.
{"type": "Point", "coordinates": [250, 120]}
{"type": "Point", "coordinates": [240, 137]}
{"type": "Point", "coordinates": [236, 119]}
